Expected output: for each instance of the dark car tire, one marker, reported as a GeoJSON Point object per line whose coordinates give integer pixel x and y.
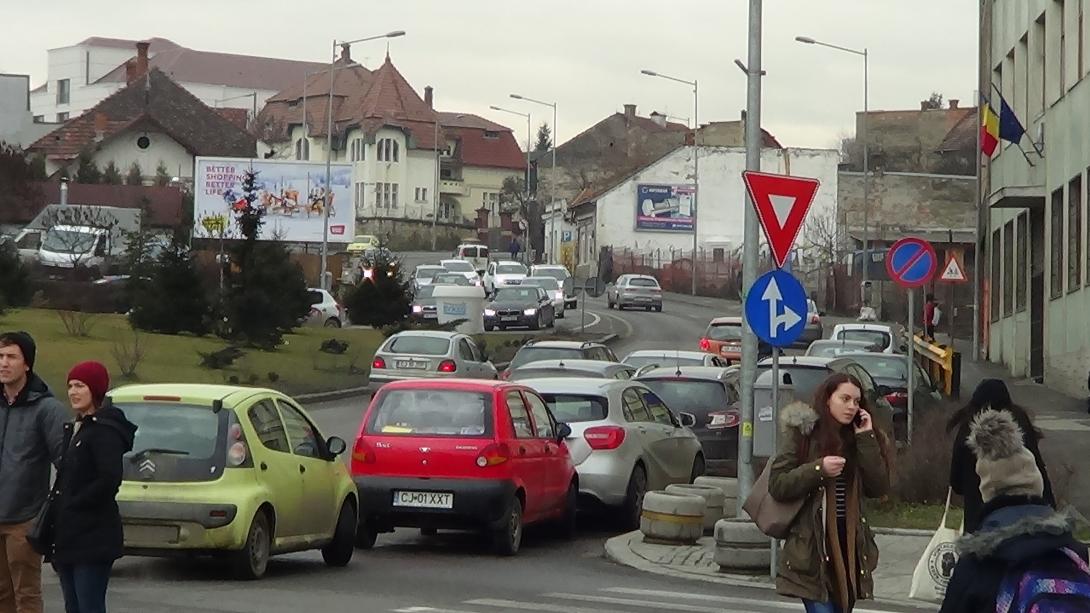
{"type": "Point", "coordinates": [560, 315]}
{"type": "Point", "coordinates": [536, 324]}
{"type": "Point", "coordinates": [332, 322]}
{"type": "Point", "coordinates": [251, 562]}
{"type": "Point", "coordinates": [338, 553]}
{"type": "Point", "coordinates": [659, 308]}
{"type": "Point", "coordinates": [366, 534]}
{"type": "Point", "coordinates": [507, 539]}
{"type": "Point", "coordinates": [633, 502]}
{"type": "Point", "coordinates": [488, 328]}
{"type": "Point", "coordinates": [700, 467]}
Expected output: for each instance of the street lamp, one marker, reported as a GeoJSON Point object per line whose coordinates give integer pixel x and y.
{"type": "Point", "coordinates": [527, 116]}
{"type": "Point", "coordinates": [866, 158]}
{"type": "Point", "coordinates": [329, 143]}
{"type": "Point", "coordinates": [552, 195]}
{"type": "Point", "coordinates": [696, 157]}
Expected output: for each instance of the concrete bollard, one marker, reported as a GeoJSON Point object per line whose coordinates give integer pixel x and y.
{"type": "Point", "coordinates": [713, 501]}
{"type": "Point", "coordinates": [672, 518]}
{"type": "Point", "coordinates": [740, 545]}
{"type": "Point", "coordinates": [729, 485]}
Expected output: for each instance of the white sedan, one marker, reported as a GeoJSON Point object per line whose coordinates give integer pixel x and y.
{"type": "Point", "coordinates": [463, 267]}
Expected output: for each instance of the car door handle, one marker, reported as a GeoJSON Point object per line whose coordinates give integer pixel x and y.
{"type": "Point", "coordinates": [302, 469]}
{"type": "Point", "coordinates": [522, 451]}
{"type": "Point", "coordinates": [264, 466]}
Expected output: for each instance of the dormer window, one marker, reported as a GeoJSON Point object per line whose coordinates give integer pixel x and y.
{"type": "Point", "coordinates": [388, 150]}
{"type": "Point", "coordinates": [491, 134]}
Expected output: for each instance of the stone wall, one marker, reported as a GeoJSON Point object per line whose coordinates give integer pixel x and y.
{"type": "Point", "coordinates": [902, 202]}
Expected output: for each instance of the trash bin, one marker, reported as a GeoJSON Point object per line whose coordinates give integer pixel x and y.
{"type": "Point", "coordinates": [460, 302]}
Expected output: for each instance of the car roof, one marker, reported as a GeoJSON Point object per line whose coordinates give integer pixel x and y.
{"type": "Point", "coordinates": [549, 267]}
{"type": "Point", "coordinates": [707, 373]}
{"type": "Point", "coordinates": [427, 333]}
{"type": "Point", "coordinates": [419, 266]}
{"type": "Point", "coordinates": [875, 355]}
{"type": "Point", "coordinates": [561, 344]}
{"type": "Point", "coordinates": [726, 320]}
{"type": "Point", "coordinates": [574, 364]}
{"type": "Point", "coordinates": [668, 353]}
{"type": "Point", "coordinates": [498, 262]}
{"type": "Point", "coordinates": [806, 361]}
{"type": "Point", "coordinates": [574, 385]}
{"type": "Point", "coordinates": [200, 393]}
{"type": "Point", "coordinates": [467, 385]}
{"type": "Point", "coordinates": [444, 262]}
{"type": "Point", "coordinates": [842, 342]}
{"type": "Point", "coordinates": [533, 278]}
{"type": "Point", "coordinates": [860, 326]}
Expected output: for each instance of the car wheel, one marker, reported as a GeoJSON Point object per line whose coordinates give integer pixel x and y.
{"type": "Point", "coordinates": [366, 534]}
{"type": "Point", "coordinates": [566, 526]}
{"type": "Point", "coordinates": [252, 560]}
{"type": "Point", "coordinates": [648, 309]}
{"type": "Point", "coordinates": [536, 325]}
{"type": "Point", "coordinates": [699, 467]}
{"type": "Point", "coordinates": [339, 551]}
{"type": "Point", "coordinates": [507, 539]}
{"type": "Point", "coordinates": [332, 322]}
{"type": "Point", "coordinates": [659, 308]}
{"type": "Point", "coordinates": [609, 304]}
{"type": "Point", "coordinates": [488, 328]}
{"type": "Point", "coordinates": [633, 502]}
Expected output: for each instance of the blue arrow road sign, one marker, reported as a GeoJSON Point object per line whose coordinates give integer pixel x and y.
{"type": "Point", "coordinates": [776, 308]}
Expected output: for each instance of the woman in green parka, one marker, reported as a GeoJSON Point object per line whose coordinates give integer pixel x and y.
{"type": "Point", "coordinates": [831, 455]}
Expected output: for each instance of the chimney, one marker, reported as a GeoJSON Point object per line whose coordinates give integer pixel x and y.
{"type": "Point", "coordinates": [134, 69]}
{"type": "Point", "coordinates": [659, 119]}
{"type": "Point", "coordinates": [100, 127]}
{"type": "Point", "coordinates": [428, 96]}
{"type": "Point", "coordinates": [346, 54]}
{"type": "Point", "coordinates": [954, 104]}
{"type": "Point", "coordinates": [630, 111]}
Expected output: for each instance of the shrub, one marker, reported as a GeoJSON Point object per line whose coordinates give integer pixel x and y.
{"type": "Point", "coordinates": [171, 299]}
{"type": "Point", "coordinates": [219, 360]}
{"type": "Point", "coordinates": [381, 299]}
{"type": "Point", "coordinates": [15, 288]}
{"type": "Point", "coordinates": [922, 469]}
{"type": "Point", "coordinates": [128, 351]}
{"type": "Point", "coordinates": [77, 323]}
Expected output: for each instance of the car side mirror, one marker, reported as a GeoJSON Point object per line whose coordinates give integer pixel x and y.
{"type": "Point", "coordinates": [687, 419]}
{"type": "Point", "coordinates": [336, 445]}
{"type": "Point", "coordinates": [563, 431]}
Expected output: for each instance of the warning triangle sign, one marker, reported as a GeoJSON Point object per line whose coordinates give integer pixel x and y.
{"type": "Point", "coordinates": [782, 203]}
{"type": "Point", "coordinates": [953, 272]}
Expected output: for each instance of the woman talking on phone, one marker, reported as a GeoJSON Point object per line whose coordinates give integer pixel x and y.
{"type": "Point", "coordinates": [831, 456]}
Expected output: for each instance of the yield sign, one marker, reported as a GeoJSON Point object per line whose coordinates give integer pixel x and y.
{"type": "Point", "coordinates": [782, 203]}
{"type": "Point", "coordinates": [953, 272]}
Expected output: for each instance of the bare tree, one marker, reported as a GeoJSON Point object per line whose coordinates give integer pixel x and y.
{"type": "Point", "coordinates": [822, 237]}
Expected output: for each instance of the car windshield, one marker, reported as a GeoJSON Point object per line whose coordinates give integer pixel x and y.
{"type": "Point", "coordinates": [419, 345]}
{"type": "Point", "coordinates": [516, 294]}
{"type": "Point", "coordinates": [534, 354]}
{"type": "Point", "coordinates": [545, 282]}
{"type": "Point", "coordinates": [425, 292]}
{"type": "Point", "coordinates": [183, 442]}
{"type": "Point", "coordinates": [689, 394]}
{"type": "Point", "coordinates": [450, 279]}
{"type": "Point", "coordinates": [831, 349]}
{"type": "Point", "coordinates": [68, 241]}
{"type": "Point", "coordinates": [458, 266]}
{"type": "Point", "coordinates": [883, 366]}
{"type": "Point", "coordinates": [875, 337]}
{"type": "Point", "coordinates": [571, 409]}
{"type": "Point", "coordinates": [642, 282]}
{"type": "Point", "coordinates": [663, 359]}
{"type": "Point", "coordinates": [315, 297]}
{"type": "Point", "coordinates": [556, 273]}
{"type": "Point", "coordinates": [510, 269]}
{"type": "Point", "coordinates": [473, 252]}
{"type": "Point", "coordinates": [724, 332]}
{"type": "Point", "coordinates": [431, 412]}
{"type": "Point", "coordinates": [429, 272]}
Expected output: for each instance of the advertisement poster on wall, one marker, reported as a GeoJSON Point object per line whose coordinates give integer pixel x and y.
{"type": "Point", "coordinates": [665, 207]}
{"type": "Point", "coordinates": [292, 194]}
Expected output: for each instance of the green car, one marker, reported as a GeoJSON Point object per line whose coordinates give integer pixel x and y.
{"type": "Point", "coordinates": [233, 472]}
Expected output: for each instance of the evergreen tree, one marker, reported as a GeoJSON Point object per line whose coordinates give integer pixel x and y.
{"type": "Point", "coordinates": [37, 168]}
{"type": "Point", "coordinates": [173, 274]}
{"type": "Point", "coordinates": [544, 138]}
{"type": "Point", "coordinates": [111, 175]}
{"type": "Point", "coordinates": [162, 175]}
{"type": "Point", "coordinates": [86, 170]}
{"type": "Point", "coordinates": [15, 289]}
{"type": "Point", "coordinates": [135, 176]}
{"type": "Point", "coordinates": [382, 299]}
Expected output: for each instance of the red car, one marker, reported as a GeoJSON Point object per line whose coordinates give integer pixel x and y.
{"type": "Point", "coordinates": [462, 454]}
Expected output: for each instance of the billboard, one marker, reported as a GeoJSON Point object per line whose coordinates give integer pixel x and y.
{"type": "Point", "coordinates": [665, 207]}
{"type": "Point", "coordinates": [291, 193]}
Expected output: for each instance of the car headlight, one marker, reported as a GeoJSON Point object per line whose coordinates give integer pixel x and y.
{"type": "Point", "coordinates": [529, 311]}
{"type": "Point", "coordinates": [489, 313]}
{"type": "Point", "coordinates": [417, 308]}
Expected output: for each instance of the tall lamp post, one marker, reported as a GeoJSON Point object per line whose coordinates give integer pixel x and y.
{"type": "Point", "coordinates": [696, 157]}
{"type": "Point", "coordinates": [866, 178]}
{"type": "Point", "coordinates": [552, 195]}
{"type": "Point", "coordinates": [329, 144]}
{"type": "Point", "coordinates": [528, 146]}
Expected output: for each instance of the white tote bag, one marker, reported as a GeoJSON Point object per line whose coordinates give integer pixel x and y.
{"type": "Point", "coordinates": [935, 567]}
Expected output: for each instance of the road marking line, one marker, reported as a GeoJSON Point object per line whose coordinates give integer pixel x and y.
{"type": "Point", "coordinates": [709, 598]}
{"type": "Point", "coordinates": [624, 323]}
{"type": "Point", "coordinates": [429, 610]}
{"type": "Point", "coordinates": [671, 605]}
{"type": "Point", "coordinates": [578, 315]}
{"type": "Point", "coordinates": [549, 608]}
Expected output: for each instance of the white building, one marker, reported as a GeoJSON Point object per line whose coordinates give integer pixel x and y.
{"type": "Point", "coordinates": [1037, 287]}
{"type": "Point", "coordinates": [608, 217]}
{"type": "Point", "coordinates": [16, 124]}
{"type": "Point", "coordinates": [82, 75]}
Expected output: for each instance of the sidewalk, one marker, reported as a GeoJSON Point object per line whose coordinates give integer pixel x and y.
{"type": "Point", "coordinates": [899, 554]}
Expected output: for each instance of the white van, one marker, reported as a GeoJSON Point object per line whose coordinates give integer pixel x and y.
{"type": "Point", "coordinates": [474, 253]}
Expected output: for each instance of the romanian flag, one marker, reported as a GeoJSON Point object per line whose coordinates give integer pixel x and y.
{"type": "Point", "coordinates": [989, 129]}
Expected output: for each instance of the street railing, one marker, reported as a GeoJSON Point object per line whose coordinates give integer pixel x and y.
{"type": "Point", "coordinates": [941, 362]}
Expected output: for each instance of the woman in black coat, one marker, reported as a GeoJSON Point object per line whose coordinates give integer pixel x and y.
{"type": "Point", "coordinates": [88, 536]}
{"type": "Point", "coordinates": [991, 393]}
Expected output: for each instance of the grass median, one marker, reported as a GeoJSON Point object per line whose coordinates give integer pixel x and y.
{"type": "Point", "coordinates": [296, 367]}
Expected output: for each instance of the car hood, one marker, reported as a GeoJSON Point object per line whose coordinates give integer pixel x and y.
{"type": "Point", "coordinates": [507, 305]}
{"type": "Point", "coordinates": [425, 302]}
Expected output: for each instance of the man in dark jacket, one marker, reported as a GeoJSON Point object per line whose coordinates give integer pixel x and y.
{"type": "Point", "coordinates": [31, 436]}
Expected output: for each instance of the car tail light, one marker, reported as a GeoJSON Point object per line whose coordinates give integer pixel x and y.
{"type": "Point", "coordinates": [362, 452]}
{"type": "Point", "coordinates": [814, 318]}
{"type": "Point", "coordinates": [897, 398]}
{"type": "Point", "coordinates": [723, 419]}
{"type": "Point", "coordinates": [492, 455]}
{"type": "Point", "coordinates": [378, 363]}
{"type": "Point", "coordinates": [705, 344]}
{"type": "Point", "coordinates": [237, 453]}
{"type": "Point", "coordinates": [163, 398]}
{"type": "Point", "coordinates": [604, 437]}
{"type": "Point", "coordinates": [448, 366]}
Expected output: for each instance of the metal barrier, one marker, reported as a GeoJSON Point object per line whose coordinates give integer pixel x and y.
{"type": "Point", "coordinates": [942, 363]}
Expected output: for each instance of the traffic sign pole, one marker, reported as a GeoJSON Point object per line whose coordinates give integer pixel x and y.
{"type": "Point", "coordinates": [911, 264]}
{"type": "Point", "coordinates": [774, 549]}
{"type": "Point", "coordinates": [911, 359]}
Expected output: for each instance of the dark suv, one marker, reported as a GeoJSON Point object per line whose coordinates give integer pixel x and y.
{"type": "Point", "coordinates": [534, 351]}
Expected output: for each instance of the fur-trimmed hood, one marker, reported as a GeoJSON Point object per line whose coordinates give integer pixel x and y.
{"type": "Point", "coordinates": [799, 416]}
{"type": "Point", "coordinates": [1018, 531]}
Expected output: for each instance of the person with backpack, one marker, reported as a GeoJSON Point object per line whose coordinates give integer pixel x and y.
{"type": "Point", "coordinates": [990, 394]}
{"type": "Point", "coordinates": [1024, 557]}
{"type": "Point", "coordinates": [830, 455]}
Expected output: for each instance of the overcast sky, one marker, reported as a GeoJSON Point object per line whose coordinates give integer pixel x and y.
{"type": "Point", "coordinates": [584, 54]}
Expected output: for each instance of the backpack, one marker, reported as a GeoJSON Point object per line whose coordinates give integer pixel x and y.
{"type": "Point", "coordinates": [1058, 582]}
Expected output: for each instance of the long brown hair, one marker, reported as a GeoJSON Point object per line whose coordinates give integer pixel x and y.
{"type": "Point", "coordinates": [830, 437]}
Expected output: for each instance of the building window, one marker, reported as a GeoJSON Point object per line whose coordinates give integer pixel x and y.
{"type": "Point", "coordinates": [491, 135]}
{"type": "Point", "coordinates": [994, 253]}
{"type": "Point", "coordinates": [1042, 49]}
{"type": "Point", "coordinates": [1074, 234]}
{"type": "Point", "coordinates": [302, 149]}
{"type": "Point", "coordinates": [388, 150]}
{"type": "Point", "coordinates": [393, 199]}
{"type": "Point", "coordinates": [359, 196]}
{"type": "Point", "coordinates": [39, 119]}
{"type": "Point", "coordinates": [1008, 269]}
{"type": "Point", "coordinates": [1063, 46]}
{"type": "Point", "coordinates": [1056, 242]}
{"type": "Point", "coordinates": [64, 91]}
{"type": "Point", "coordinates": [357, 150]}
{"type": "Point", "coordinates": [490, 201]}
{"type": "Point", "coordinates": [62, 117]}
{"type": "Point", "coordinates": [421, 194]}
{"type": "Point", "coordinates": [1020, 271]}
{"type": "Point", "coordinates": [386, 195]}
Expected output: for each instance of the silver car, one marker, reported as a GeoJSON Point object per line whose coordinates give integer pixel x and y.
{"type": "Point", "coordinates": [424, 274]}
{"type": "Point", "coordinates": [562, 276]}
{"type": "Point", "coordinates": [624, 440]}
{"type": "Point", "coordinates": [325, 310]}
{"type": "Point", "coordinates": [595, 369]}
{"type": "Point", "coordinates": [553, 289]}
{"type": "Point", "coordinates": [667, 358]}
{"type": "Point", "coordinates": [427, 354]}
{"type": "Point", "coordinates": [831, 349]}
{"type": "Point", "coordinates": [640, 291]}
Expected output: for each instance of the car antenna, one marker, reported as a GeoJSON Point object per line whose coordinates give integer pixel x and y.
{"type": "Point", "coordinates": [677, 361]}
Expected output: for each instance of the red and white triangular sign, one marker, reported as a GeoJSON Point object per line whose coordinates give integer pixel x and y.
{"type": "Point", "coordinates": [953, 271]}
{"type": "Point", "coordinates": [782, 203]}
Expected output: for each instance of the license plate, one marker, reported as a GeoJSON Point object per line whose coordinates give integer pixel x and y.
{"type": "Point", "coordinates": [135, 533]}
{"type": "Point", "coordinates": [643, 298]}
{"type": "Point", "coordinates": [424, 500]}
{"type": "Point", "coordinates": [509, 318]}
{"type": "Point", "coordinates": [411, 365]}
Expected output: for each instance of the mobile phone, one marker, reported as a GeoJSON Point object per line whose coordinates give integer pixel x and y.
{"type": "Point", "coordinates": [858, 421]}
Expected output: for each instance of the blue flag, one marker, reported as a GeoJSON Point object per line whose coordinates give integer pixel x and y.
{"type": "Point", "coordinates": [1010, 129]}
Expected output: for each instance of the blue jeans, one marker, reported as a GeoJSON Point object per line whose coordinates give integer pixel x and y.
{"type": "Point", "coordinates": [84, 586]}
{"type": "Point", "coordinates": [812, 606]}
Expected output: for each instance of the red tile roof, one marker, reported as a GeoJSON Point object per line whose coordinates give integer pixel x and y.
{"type": "Point", "coordinates": [476, 149]}
{"type": "Point", "coordinates": [239, 117]}
{"type": "Point", "coordinates": [464, 120]}
{"type": "Point", "coordinates": [391, 101]}
{"type": "Point", "coordinates": [152, 102]}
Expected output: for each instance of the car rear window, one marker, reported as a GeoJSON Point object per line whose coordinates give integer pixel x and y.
{"type": "Point", "coordinates": [510, 269]}
{"type": "Point", "coordinates": [420, 345]}
{"type": "Point", "coordinates": [642, 282]}
{"type": "Point", "coordinates": [556, 273]}
{"type": "Point", "coordinates": [534, 354]}
{"type": "Point", "coordinates": [182, 442]}
{"type": "Point", "coordinates": [724, 332]}
{"type": "Point", "coordinates": [428, 272]}
{"type": "Point", "coordinates": [425, 291]}
{"type": "Point", "coordinates": [689, 394]}
{"type": "Point", "coordinates": [450, 278]}
{"type": "Point", "coordinates": [876, 337]}
{"type": "Point", "coordinates": [431, 412]}
{"type": "Point", "coordinates": [458, 266]}
{"type": "Point", "coordinates": [572, 409]}
{"type": "Point", "coordinates": [883, 367]}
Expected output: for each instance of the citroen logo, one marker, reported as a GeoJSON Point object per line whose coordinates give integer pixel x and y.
{"type": "Point", "coordinates": [148, 467]}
